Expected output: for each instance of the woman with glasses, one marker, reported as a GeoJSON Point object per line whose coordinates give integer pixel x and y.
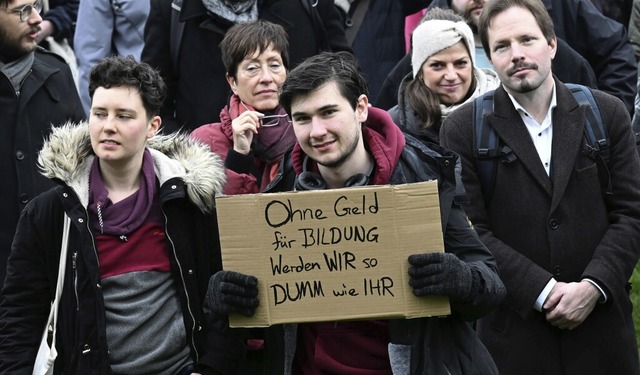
{"type": "Point", "coordinates": [254, 131]}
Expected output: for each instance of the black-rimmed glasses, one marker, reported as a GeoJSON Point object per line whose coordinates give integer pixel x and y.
{"type": "Point", "coordinates": [26, 10]}
{"type": "Point", "coordinates": [269, 120]}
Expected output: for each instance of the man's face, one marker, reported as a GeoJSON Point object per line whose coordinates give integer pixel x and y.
{"type": "Point", "coordinates": [327, 127]}
{"type": "Point", "coordinates": [469, 9]}
{"type": "Point", "coordinates": [520, 53]}
{"type": "Point", "coordinates": [17, 38]}
{"type": "Point", "coordinates": [119, 127]}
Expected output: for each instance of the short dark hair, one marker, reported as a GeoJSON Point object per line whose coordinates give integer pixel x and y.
{"type": "Point", "coordinates": [495, 7]}
{"type": "Point", "coordinates": [316, 71]}
{"type": "Point", "coordinates": [243, 39]}
{"type": "Point", "coordinates": [121, 71]}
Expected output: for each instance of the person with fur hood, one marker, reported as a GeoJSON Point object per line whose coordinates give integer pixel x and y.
{"type": "Point", "coordinates": [444, 75]}
{"type": "Point", "coordinates": [142, 240]}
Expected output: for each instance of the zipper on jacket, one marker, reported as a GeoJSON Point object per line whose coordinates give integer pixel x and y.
{"type": "Point", "coordinates": [74, 261]}
{"type": "Point", "coordinates": [184, 286]}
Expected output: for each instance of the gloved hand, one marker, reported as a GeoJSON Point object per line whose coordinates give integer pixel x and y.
{"type": "Point", "coordinates": [232, 292]}
{"type": "Point", "coordinates": [442, 274]}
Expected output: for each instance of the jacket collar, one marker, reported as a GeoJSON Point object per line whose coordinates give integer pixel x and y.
{"type": "Point", "coordinates": [67, 155]}
{"type": "Point", "coordinates": [568, 125]}
{"type": "Point", "coordinates": [38, 77]}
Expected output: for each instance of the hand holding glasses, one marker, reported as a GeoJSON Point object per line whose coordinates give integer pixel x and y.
{"type": "Point", "coordinates": [26, 10]}
{"type": "Point", "coordinates": [269, 120]}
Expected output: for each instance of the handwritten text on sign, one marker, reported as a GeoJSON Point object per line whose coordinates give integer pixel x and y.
{"type": "Point", "coordinates": [334, 254]}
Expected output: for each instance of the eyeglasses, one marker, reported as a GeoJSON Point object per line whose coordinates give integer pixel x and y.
{"type": "Point", "coordinates": [272, 120]}
{"type": "Point", "coordinates": [25, 11]}
{"type": "Point", "coordinates": [269, 120]}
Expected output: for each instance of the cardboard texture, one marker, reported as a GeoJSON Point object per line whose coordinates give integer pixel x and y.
{"type": "Point", "coordinates": [330, 255]}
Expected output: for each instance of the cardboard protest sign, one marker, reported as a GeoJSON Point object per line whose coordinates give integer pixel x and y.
{"type": "Point", "coordinates": [333, 254]}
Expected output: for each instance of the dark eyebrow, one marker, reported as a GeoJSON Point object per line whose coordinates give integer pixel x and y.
{"type": "Point", "coordinates": [118, 110]}
{"type": "Point", "coordinates": [321, 109]}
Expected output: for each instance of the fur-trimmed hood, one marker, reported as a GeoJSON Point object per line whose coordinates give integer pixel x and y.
{"type": "Point", "coordinates": [67, 156]}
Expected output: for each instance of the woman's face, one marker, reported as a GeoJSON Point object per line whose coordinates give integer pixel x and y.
{"type": "Point", "coordinates": [449, 73]}
{"type": "Point", "coordinates": [119, 127]}
{"type": "Point", "coordinates": [258, 79]}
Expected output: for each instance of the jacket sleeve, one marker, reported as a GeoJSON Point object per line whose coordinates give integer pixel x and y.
{"type": "Point", "coordinates": [63, 17]}
{"type": "Point", "coordinates": [487, 289]}
{"type": "Point", "coordinates": [90, 46]}
{"type": "Point", "coordinates": [156, 52]}
{"type": "Point", "coordinates": [605, 44]}
{"type": "Point", "coordinates": [26, 296]}
{"type": "Point", "coordinates": [634, 28]}
{"type": "Point", "coordinates": [617, 253]}
{"type": "Point", "coordinates": [238, 167]}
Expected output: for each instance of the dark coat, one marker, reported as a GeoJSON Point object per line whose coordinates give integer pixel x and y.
{"type": "Point", "coordinates": [380, 42]}
{"type": "Point", "coordinates": [197, 87]}
{"type": "Point", "coordinates": [187, 202]}
{"type": "Point", "coordinates": [539, 228]}
{"type": "Point", "coordinates": [603, 42]}
{"type": "Point", "coordinates": [48, 97]}
{"type": "Point", "coordinates": [435, 345]}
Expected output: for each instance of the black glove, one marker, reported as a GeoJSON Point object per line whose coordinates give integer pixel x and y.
{"type": "Point", "coordinates": [440, 274]}
{"type": "Point", "coordinates": [232, 292]}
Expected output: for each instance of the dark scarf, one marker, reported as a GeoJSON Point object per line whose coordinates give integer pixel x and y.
{"type": "Point", "coordinates": [233, 11]}
{"type": "Point", "coordinates": [17, 70]}
{"type": "Point", "coordinates": [127, 215]}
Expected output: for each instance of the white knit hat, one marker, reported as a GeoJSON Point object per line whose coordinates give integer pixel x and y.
{"type": "Point", "coordinates": [433, 36]}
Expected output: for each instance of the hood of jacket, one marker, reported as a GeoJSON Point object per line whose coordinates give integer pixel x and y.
{"type": "Point", "coordinates": [383, 139]}
{"type": "Point", "coordinates": [67, 156]}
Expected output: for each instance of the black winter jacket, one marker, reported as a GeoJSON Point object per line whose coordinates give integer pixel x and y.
{"type": "Point", "coordinates": [48, 96]}
{"type": "Point", "coordinates": [197, 88]}
{"type": "Point", "coordinates": [189, 177]}
{"type": "Point", "coordinates": [433, 346]}
{"type": "Point", "coordinates": [380, 42]}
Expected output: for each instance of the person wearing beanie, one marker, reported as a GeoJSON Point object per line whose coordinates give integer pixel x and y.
{"type": "Point", "coordinates": [443, 75]}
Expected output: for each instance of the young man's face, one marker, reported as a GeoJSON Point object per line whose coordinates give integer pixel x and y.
{"type": "Point", "coordinates": [520, 53]}
{"type": "Point", "coordinates": [17, 38]}
{"type": "Point", "coordinates": [327, 127]}
{"type": "Point", "coordinates": [119, 127]}
{"type": "Point", "coordinates": [469, 9]}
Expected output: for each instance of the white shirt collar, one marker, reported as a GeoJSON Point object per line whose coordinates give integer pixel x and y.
{"type": "Point", "coordinates": [522, 111]}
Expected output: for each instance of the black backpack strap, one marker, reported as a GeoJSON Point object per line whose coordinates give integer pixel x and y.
{"type": "Point", "coordinates": [486, 144]}
{"type": "Point", "coordinates": [175, 34]}
{"type": "Point", "coordinates": [595, 132]}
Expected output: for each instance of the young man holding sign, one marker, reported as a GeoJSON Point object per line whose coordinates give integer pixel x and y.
{"type": "Point", "coordinates": [343, 142]}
